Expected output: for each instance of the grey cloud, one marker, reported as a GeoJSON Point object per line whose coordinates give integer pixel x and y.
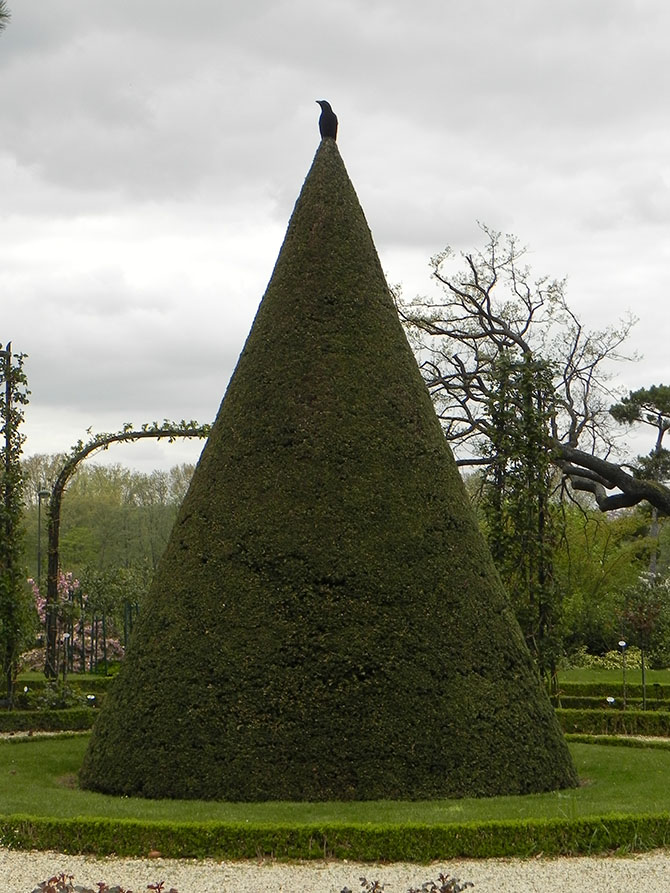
{"type": "Point", "coordinates": [151, 153]}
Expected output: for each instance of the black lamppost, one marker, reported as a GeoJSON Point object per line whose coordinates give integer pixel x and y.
{"type": "Point", "coordinates": [623, 645]}
{"type": "Point", "coordinates": [41, 494]}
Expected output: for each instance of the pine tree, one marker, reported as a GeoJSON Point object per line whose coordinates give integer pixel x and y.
{"type": "Point", "coordinates": [326, 622]}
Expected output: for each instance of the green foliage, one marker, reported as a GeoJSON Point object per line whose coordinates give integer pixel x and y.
{"type": "Point", "coordinates": [112, 517]}
{"type": "Point", "coordinates": [110, 592]}
{"type": "Point", "coordinates": [56, 696]}
{"type": "Point", "coordinates": [649, 406]}
{"type": "Point", "coordinates": [598, 558]}
{"type": "Point", "coordinates": [655, 466]}
{"type": "Point", "coordinates": [519, 517]}
{"type": "Point", "coordinates": [17, 616]}
{"type": "Point", "coordinates": [326, 622]}
{"type": "Point", "coordinates": [646, 618]}
{"type": "Point", "coordinates": [611, 660]}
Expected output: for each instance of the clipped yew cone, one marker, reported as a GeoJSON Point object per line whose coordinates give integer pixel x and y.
{"type": "Point", "coordinates": [326, 622]}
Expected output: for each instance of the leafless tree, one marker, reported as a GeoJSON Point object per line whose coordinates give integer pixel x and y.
{"type": "Point", "coordinates": [492, 307]}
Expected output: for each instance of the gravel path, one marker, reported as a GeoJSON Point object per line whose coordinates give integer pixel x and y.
{"type": "Point", "coordinates": [20, 872]}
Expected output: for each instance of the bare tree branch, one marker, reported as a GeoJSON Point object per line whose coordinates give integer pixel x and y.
{"type": "Point", "coordinates": [595, 475]}
{"type": "Point", "coordinates": [494, 307]}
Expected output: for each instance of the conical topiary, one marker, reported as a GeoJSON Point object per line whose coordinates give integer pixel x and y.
{"type": "Point", "coordinates": [326, 622]}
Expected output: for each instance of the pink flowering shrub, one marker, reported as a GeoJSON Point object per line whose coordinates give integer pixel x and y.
{"type": "Point", "coordinates": [78, 632]}
{"type": "Point", "coordinates": [67, 587]}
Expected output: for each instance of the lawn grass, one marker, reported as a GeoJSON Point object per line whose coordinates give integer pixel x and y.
{"type": "Point", "coordinates": [37, 777]}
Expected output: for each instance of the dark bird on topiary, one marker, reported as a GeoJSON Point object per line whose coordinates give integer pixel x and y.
{"type": "Point", "coordinates": [327, 120]}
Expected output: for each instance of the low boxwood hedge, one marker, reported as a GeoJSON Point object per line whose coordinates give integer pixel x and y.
{"type": "Point", "coordinates": [72, 719]}
{"type": "Point", "coordinates": [655, 690]}
{"type": "Point", "coordinates": [84, 684]}
{"type": "Point", "coordinates": [362, 843]}
{"type": "Point", "coordinates": [615, 722]}
{"type": "Point", "coordinates": [587, 702]}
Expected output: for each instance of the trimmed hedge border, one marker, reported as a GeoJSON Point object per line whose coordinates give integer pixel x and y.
{"type": "Point", "coordinates": [587, 702]}
{"type": "Point", "coordinates": [69, 720]}
{"type": "Point", "coordinates": [613, 741]}
{"type": "Point", "coordinates": [603, 689]}
{"type": "Point", "coordinates": [615, 722]}
{"type": "Point", "coordinates": [361, 843]}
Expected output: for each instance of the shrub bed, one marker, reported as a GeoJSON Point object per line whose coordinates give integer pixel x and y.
{"type": "Point", "coordinates": [52, 699]}
{"type": "Point", "coordinates": [363, 843]}
{"type": "Point", "coordinates": [88, 683]}
{"type": "Point", "coordinates": [615, 722]}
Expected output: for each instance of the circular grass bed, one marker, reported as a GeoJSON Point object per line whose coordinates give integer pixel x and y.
{"type": "Point", "coordinates": [622, 803]}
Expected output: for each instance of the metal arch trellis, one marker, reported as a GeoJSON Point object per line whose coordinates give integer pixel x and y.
{"type": "Point", "coordinates": [165, 430]}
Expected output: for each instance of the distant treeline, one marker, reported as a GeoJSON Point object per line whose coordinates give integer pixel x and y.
{"type": "Point", "coordinates": [112, 516]}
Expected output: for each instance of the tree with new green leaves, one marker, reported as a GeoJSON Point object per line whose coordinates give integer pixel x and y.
{"type": "Point", "coordinates": [598, 558]}
{"type": "Point", "coordinates": [112, 516]}
{"type": "Point", "coordinates": [517, 506]}
{"type": "Point", "coordinates": [646, 622]}
{"type": "Point", "coordinates": [326, 621]}
{"type": "Point", "coordinates": [15, 605]}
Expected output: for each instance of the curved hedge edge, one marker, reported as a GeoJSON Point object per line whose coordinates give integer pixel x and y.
{"type": "Point", "coordinates": [40, 736]}
{"type": "Point", "coordinates": [620, 741]}
{"type": "Point", "coordinates": [361, 843]}
{"type": "Point", "coordinates": [69, 720]}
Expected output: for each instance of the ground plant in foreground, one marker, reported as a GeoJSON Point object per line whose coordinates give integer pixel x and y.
{"type": "Point", "coordinates": [443, 884]}
{"type": "Point", "coordinates": [64, 883]}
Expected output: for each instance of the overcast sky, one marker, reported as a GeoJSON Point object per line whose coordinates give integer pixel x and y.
{"type": "Point", "coordinates": [151, 153]}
